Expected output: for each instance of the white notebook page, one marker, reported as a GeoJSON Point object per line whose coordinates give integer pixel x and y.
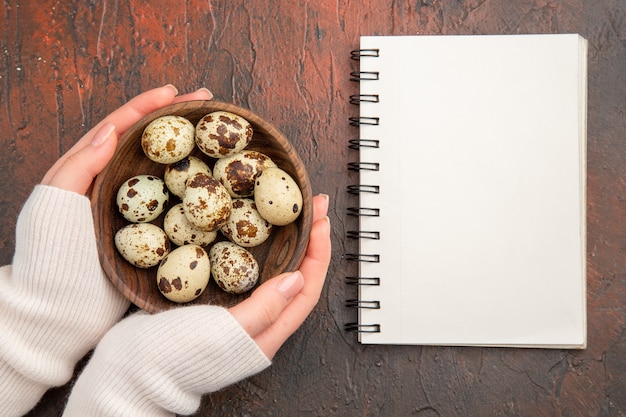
{"type": "Point", "coordinates": [482, 190]}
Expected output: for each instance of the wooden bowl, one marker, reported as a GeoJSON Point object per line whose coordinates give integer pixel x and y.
{"type": "Point", "coordinates": [283, 251]}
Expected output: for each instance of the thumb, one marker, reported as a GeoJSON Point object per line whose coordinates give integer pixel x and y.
{"type": "Point", "coordinates": [261, 310]}
{"type": "Point", "coordinates": [78, 170]}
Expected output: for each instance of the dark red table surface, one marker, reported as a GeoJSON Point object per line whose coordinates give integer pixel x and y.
{"type": "Point", "coordinates": [64, 65]}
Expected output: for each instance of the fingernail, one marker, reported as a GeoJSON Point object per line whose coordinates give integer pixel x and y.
{"type": "Point", "coordinates": [327, 200]}
{"type": "Point", "coordinates": [206, 91]}
{"type": "Point", "coordinates": [291, 284]}
{"type": "Point", "coordinates": [103, 134]}
{"type": "Point", "coordinates": [171, 86]}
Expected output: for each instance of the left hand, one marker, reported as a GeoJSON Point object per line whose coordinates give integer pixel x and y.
{"type": "Point", "coordinates": [77, 168]}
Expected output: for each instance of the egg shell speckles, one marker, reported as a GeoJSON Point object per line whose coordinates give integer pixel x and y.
{"type": "Point", "coordinates": [142, 244]}
{"type": "Point", "coordinates": [184, 273]}
{"type": "Point", "coordinates": [277, 196]}
{"type": "Point", "coordinates": [181, 231]}
{"type": "Point", "coordinates": [206, 202]}
{"type": "Point", "coordinates": [238, 172]}
{"type": "Point", "coordinates": [176, 174]}
{"type": "Point", "coordinates": [142, 198]}
{"type": "Point", "coordinates": [233, 268]}
{"type": "Point", "coordinates": [245, 226]}
{"type": "Point", "coordinates": [220, 134]}
{"type": "Point", "coordinates": [168, 139]}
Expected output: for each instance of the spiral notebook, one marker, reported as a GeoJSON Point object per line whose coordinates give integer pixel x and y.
{"type": "Point", "coordinates": [472, 183]}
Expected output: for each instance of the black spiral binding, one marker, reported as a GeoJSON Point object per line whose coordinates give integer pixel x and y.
{"type": "Point", "coordinates": [363, 211]}
{"type": "Point", "coordinates": [367, 98]}
{"type": "Point", "coordinates": [365, 166]}
{"type": "Point", "coordinates": [363, 143]}
{"type": "Point", "coordinates": [362, 328]}
{"type": "Point", "coordinates": [363, 188]}
{"type": "Point", "coordinates": [358, 53]}
{"type": "Point", "coordinates": [358, 121]}
{"type": "Point", "coordinates": [356, 144]}
{"type": "Point", "coordinates": [375, 281]}
{"type": "Point", "coordinates": [362, 234]}
{"type": "Point", "coordinates": [364, 76]}
{"type": "Point", "coordinates": [375, 305]}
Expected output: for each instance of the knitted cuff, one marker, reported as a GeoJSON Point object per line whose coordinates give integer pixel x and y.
{"type": "Point", "coordinates": [161, 364]}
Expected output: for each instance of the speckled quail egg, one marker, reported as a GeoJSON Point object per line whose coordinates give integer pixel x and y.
{"type": "Point", "coordinates": [142, 198]}
{"type": "Point", "coordinates": [180, 231]}
{"type": "Point", "coordinates": [168, 139]}
{"type": "Point", "coordinates": [206, 202]}
{"type": "Point", "coordinates": [221, 133]}
{"type": "Point", "coordinates": [184, 273]}
{"type": "Point", "coordinates": [142, 244]}
{"type": "Point", "coordinates": [277, 196]}
{"type": "Point", "coordinates": [233, 268]}
{"type": "Point", "coordinates": [176, 174]}
{"type": "Point", "coordinates": [238, 172]}
{"type": "Point", "coordinates": [245, 226]}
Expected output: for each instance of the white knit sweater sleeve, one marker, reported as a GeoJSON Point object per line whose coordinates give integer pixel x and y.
{"type": "Point", "coordinates": [55, 301]}
{"type": "Point", "coordinates": [160, 365]}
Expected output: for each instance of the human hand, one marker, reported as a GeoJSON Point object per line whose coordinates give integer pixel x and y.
{"type": "Point", "coordinates": [77, 168]}
{"type": "Point", "coordinates": [279, 306]}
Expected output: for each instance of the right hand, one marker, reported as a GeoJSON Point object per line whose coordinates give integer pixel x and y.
{"type": "Point", "coordinates": [280, 305]}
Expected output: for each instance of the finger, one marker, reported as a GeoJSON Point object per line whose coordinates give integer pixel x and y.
{"type": "Point", "coordinates": [130, 113]}
{"type": "Point", "coordinates": [201, 94]}
{"type": "Point", "coordinates": [320, 206]}
{"type": "Point", "coordinates": [140, 106]}
{"type": "Point", "coordinates": [314, 268]}
{"type": "Point", "coordinates": [264, 306]}
{"type": "Point", "coordinates": [318, 253]}
{"type": "Point", "coordinates": [78, 170]}
{"type": "Point", "coordinates": [143, 104]}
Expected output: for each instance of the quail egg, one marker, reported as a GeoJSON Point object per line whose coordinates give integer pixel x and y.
{"type": "Point", "coordinates": [220, 134]}
{"type": "Point", "coordinates": [142, 244]}
{"type": "Point", "coordinates": [180, 231]}
{"type": "Point", "coordinates": [239, 171]}
{"type": "Point", "coordinates": [233, 268]}
{"type": "Point", "coordinates": [184, 273]}
{"type": "Point", "coordinates": [245, 226]}
{"type": "Point", "coordinates": [176, 174]}
{"type": "Point", "coordinates": [168, 139]}
{"type": "Point", "coordinates": [142, 198]}
{"type": "Point", "coordinates": [206, 202]}
{"type": "Point", "coordinates": [277, 196]}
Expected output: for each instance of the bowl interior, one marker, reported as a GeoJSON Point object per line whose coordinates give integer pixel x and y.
{"type": "Point", "coordinates": [283, 251]}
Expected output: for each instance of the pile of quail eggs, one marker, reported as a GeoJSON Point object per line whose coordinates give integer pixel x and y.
{"type": "Point", "coordinates": [243, 197]}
